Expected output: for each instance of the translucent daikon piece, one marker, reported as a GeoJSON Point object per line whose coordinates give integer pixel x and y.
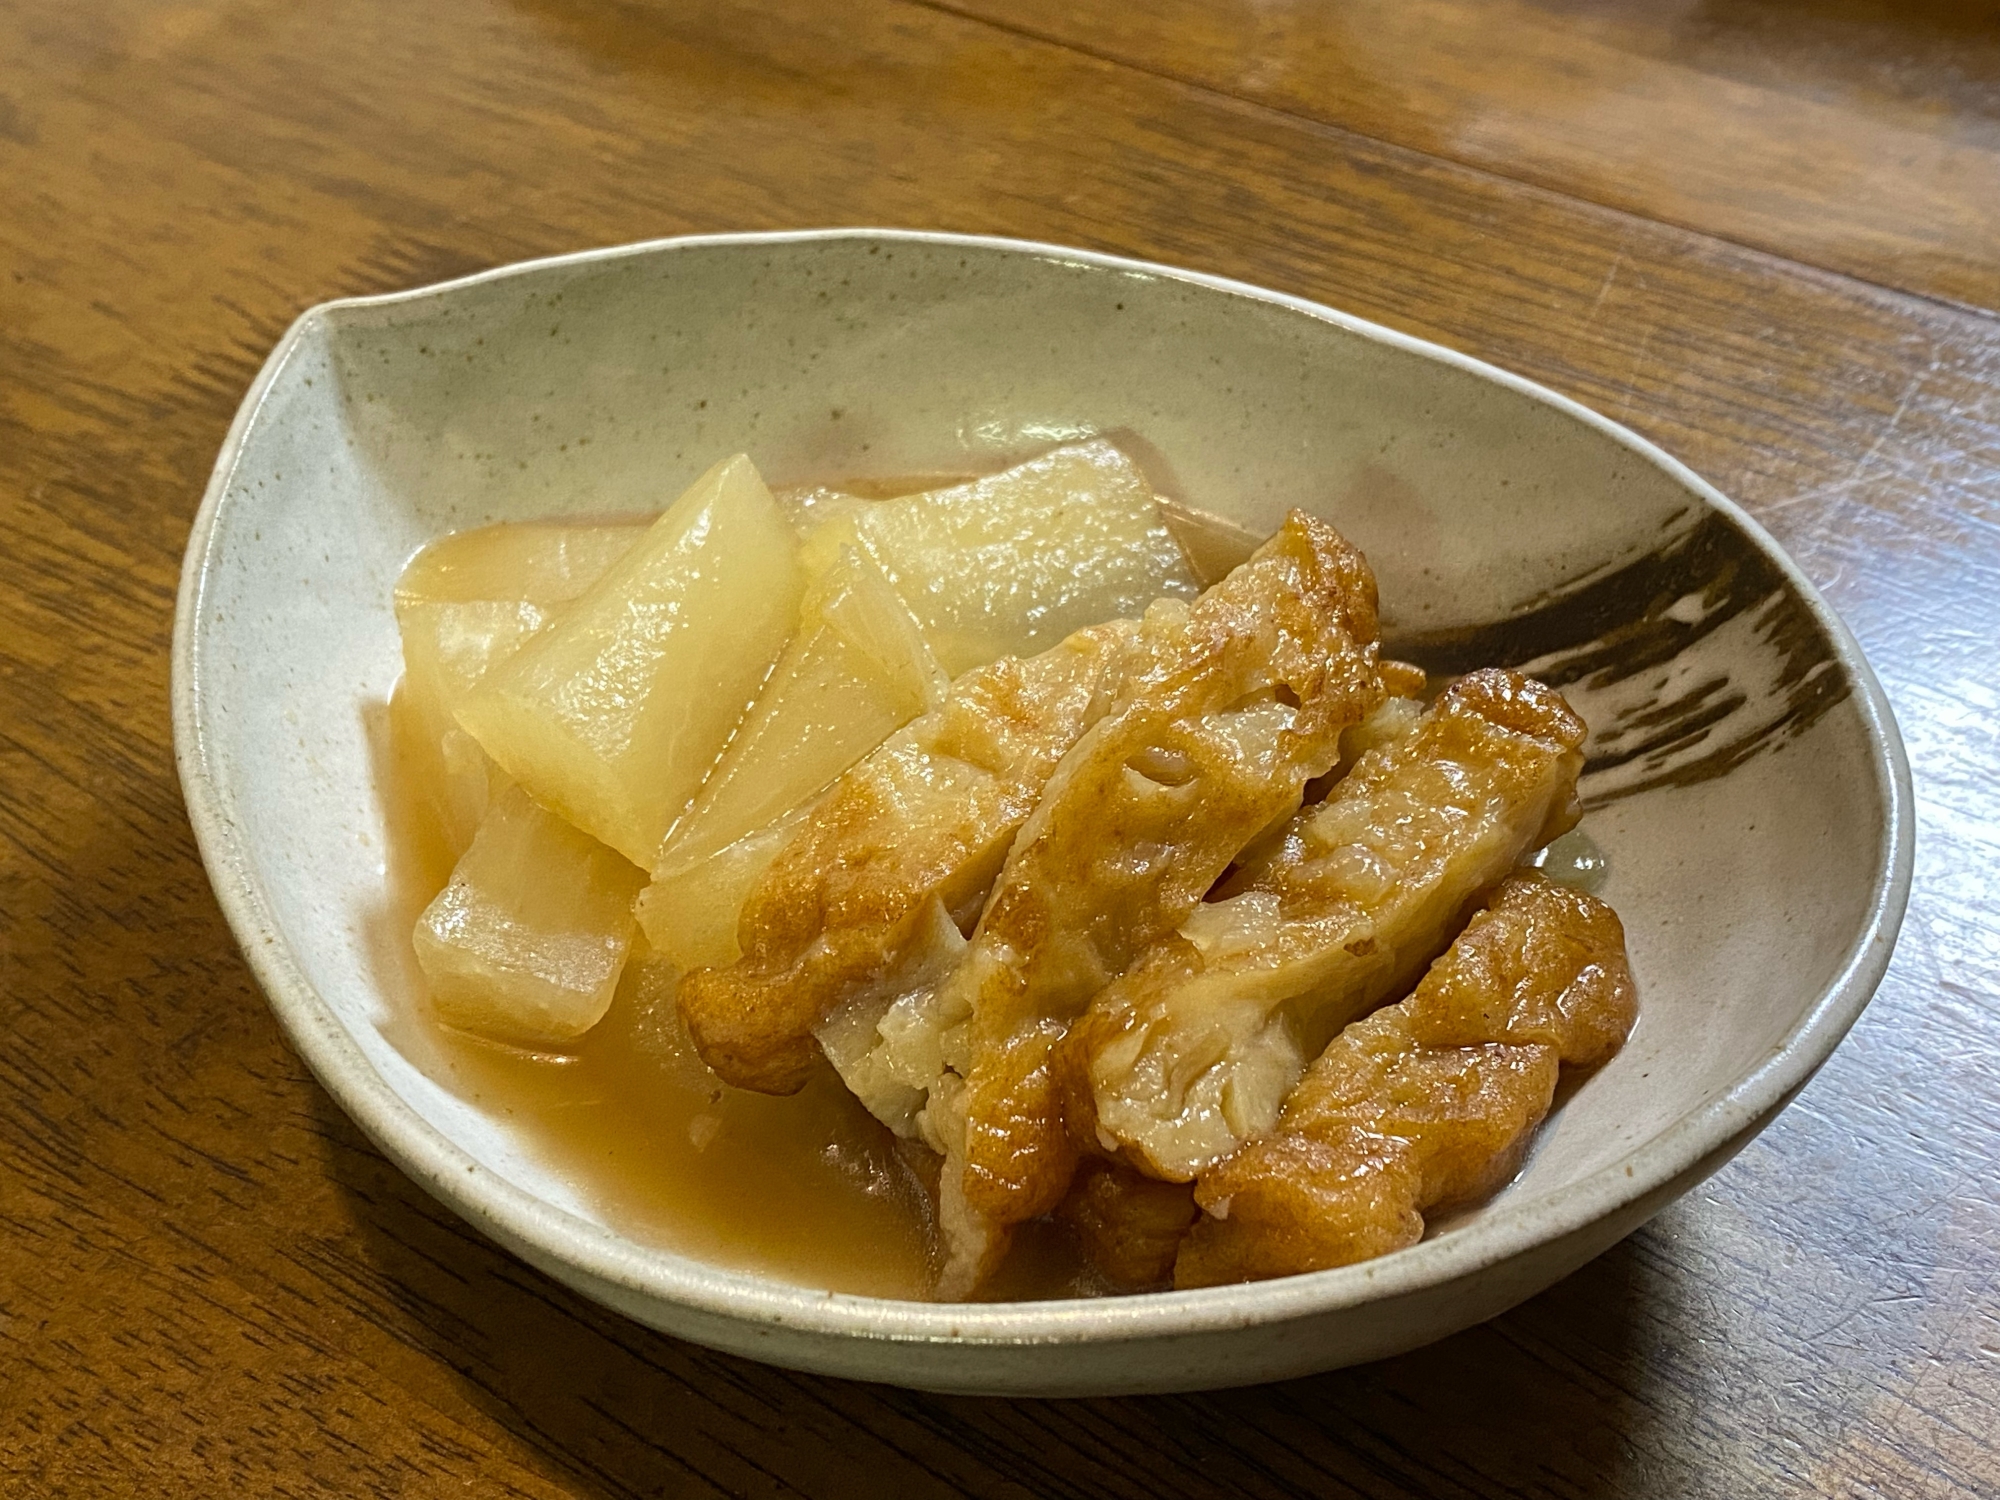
{"type": "Point", "coordinates": [690, 911]}
{"type": "Point", "coordinates": [466, 603]}
{"type": "Point", "coordinates": [543, 562]}
{"type": "Point", "coordinates": [526, 942]}
{"type": "Point", "coordinates": [1009, 564]}
{"type": "Point", "coordinates": [615, 714]}
{"type": "Point", "coordinates": [856, 672]}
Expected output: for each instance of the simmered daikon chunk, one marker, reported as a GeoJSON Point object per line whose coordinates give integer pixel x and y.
{"type": "Point", "coordinates": [542, 562]}
{"type": "Point", "coordinates": [856, 672]}
{"type": "Point", "coordinates": [1012, 563]}
{"type": "Point", "coordinates": [615, 714]}
{"type": "Point", "coordinates": [466, 603]}
{"type": "Point", "coordinates": [690, 910]}
{"type": "Point", "coordinates": [526, 942]}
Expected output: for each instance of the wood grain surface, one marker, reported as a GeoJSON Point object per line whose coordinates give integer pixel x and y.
{"type": "Point", "coordinates": [1858, 135]}
{"type": "Point", "coordinates": [211, 1284]}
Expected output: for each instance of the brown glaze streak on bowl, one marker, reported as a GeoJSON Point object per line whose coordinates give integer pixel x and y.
{"type": "Point", "coordinates": [1686, 662]}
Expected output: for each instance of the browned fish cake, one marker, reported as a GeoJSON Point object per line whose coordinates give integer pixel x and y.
{"type": "Point", "coordinates": [1426, 1103]}
{"type": "Point", "coordinates": [1235, 703]}
{"type": "Point", "coordinates": [1129, 1227]}
{"type": "Point", "coordinates": [1193, 1051]}
{"type": "Point", "coordinates": [923, 821]}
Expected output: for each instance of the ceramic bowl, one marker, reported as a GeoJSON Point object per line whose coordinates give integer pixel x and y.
{"type": "Point", "coordinates": [1745, 779]}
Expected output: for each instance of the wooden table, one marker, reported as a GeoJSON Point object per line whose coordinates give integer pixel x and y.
{"type": "Point", "coordinates": [1765, 233]}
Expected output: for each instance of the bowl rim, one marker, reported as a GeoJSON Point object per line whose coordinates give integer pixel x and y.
{"type": "Point", "coordinates": [553, 1235]}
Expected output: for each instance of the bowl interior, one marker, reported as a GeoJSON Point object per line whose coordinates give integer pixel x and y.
{"type": "Point", "coordinates": [1737, 782]}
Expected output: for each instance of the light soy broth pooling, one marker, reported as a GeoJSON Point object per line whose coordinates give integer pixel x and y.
{"type": "Point", "coordinates": [809, 1189]}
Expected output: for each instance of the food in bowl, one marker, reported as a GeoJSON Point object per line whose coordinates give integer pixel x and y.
{"type": "Point", "coordinates": [1076, 874]}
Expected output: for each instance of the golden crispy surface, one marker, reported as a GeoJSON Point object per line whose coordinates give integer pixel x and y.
{"type": "Point", "coordinates": [926, 819]}
{"type": "Point", "coordinates": [1192, 1052]}
{"type": "Point", "coordinates": [1426, 1103]}
{"type": "Point", "coordinates": [1128, 1226]}
{"type": "Point", "coordinates": [1236, 701]}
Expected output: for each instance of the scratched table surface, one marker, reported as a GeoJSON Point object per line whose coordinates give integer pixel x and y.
{"type": "Point", "coordinates": [1765, 233]}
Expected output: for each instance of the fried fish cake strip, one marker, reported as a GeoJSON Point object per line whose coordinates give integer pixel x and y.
{"type": "Point", "coordinates": [1128, 1226]}
{"type": "Point", "coordinates": [1193, 1051]}
{"type": "Point", "coordinates": [1426, 1103]}
{"type": "Point", "coordinates": [888, 1043]}
{"type": "Point", "coordinates": [905, 844]}
{"type": "Point", "coordinates": [1236, 702]}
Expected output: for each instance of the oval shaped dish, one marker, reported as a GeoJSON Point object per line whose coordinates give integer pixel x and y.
{"type": "Point", "coordinates": [1746, 777]}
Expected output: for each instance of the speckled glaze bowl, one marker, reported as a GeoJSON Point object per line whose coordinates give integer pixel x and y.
{"type": "Point", "coordinates": [1745, 776]}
